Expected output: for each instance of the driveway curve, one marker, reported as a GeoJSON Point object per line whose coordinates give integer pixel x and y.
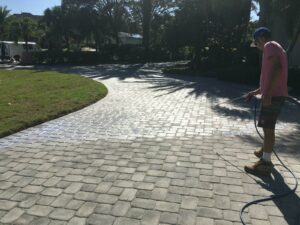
{"type": "Point", "coordinates": [146, 154]}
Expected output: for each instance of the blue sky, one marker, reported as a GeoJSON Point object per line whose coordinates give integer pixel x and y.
{"type": "Point", "coordinates": [35, 7]}
{"type": "Point", "coordinates": [253, 16]}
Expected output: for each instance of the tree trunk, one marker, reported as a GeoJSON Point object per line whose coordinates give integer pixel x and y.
{"type": "Point", "coordinates": [279, 23]}
{"type": "Point", "coordinates": [273, 15]}
{"type": "Point", "coordinates": [265, 13]}
{"type": "Point", "coordinates": [147, 8]}
{"type": "Point", "coordinates": [295, 38]}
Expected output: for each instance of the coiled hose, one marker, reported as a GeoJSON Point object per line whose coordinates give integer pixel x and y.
{"type": "Point", "coordinates": [272, 197]}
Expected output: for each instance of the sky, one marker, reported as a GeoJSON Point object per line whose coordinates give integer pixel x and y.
{"type": "Point", "coordinates": [254, 17]}
{"type": "Point", "coordinates": [36, 7]}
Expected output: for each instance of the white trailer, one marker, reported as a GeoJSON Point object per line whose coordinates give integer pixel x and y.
{"type": "Point", "coordinates": [14, 51]}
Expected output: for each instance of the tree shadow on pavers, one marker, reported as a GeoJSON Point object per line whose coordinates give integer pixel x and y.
{"type": "Point", "coordinates": [289, 206]}
{"type": "Point", "coordinates": [102, 71]}
{"type": "Point", "coordinates": [285, 145]}
{"type": "Point", "coordinates": [108, 71]}
{"type": "Point", "coordinates": [197, 86]}
{"type": "Point", "coordinates": [214, 90]}
{"type": "Point", "coordinates": [218, 92]}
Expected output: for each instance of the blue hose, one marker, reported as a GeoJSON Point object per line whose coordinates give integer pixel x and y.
{"type": "Point", "coordinates": [272, 197]}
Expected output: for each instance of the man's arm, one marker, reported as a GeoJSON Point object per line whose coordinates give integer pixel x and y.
{"type": "Point", "coordinates": [274, 77]}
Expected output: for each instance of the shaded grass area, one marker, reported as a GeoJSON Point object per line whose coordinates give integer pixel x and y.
{"type": "Point", "coordinates": [29, 97]}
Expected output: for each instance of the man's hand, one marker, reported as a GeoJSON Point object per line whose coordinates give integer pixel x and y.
{"type": "Point", "coordinates": [250, 95]}
{"type": "Point", "coordinates": [267, 100]}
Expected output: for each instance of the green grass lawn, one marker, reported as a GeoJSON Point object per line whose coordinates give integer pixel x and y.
{"type": "Point", "coordinates": [29, 97]}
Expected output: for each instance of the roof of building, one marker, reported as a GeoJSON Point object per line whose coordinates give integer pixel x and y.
{"type": "Point", "coordinates": [19, 42]}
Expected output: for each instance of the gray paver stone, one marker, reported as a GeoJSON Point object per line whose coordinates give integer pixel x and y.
{"type": "Point", "coordinates": [30, 201]}
{"type": "Point", "coordinates": [126, 221]}
{"type": "Point", "coordinates": [77, 221]}
{"type": "Point", "coordinates": [128, 194]}
{"type": "Point", "coordinates": [52, 192]}
{"type": "Point", "coordinates": [99, 219]}
{"type": "Point", "coordinates": [204, 221]}
{"type": "Point", "coordinates": [167, 206]}
{"type": "Point", "coordinates": [135, 213]}
{"type": "Point", "coordinates": [86, 196]}
{"type": "Point", "coordinates": [52, 181]}
{"type": "Point", "coordinates": [45, 200]}
{"type": "Point", "coordinates": [223, 222]}
{"type": "Point", "coordinates": [7, 205]}
{"type": "Point", "coordinates": [104, 198]}
{"type": "Point", "coordinates": [86, 209]}
{"type": "Point", "coordinates": [12, 215]}
{"type": "Point", "coordinates": [103, 187]}
{"type": "Point", "coordinates": [150, 218]}
{"type": "Point", "coordinates": [41, 221]}
{"type": "Point", "coordinates": [40, 210]}
{"type": "Point", "coordinates": [143, 203]}
{"type": "Point", "coordinates": [58, 222]}
{"type": "Point", "coordinates": [120, 208]}
{"type": "Point", "coordinates": [62, 200]}
{"type": "Point", "coordinates": [170, 218]}
{"type": "Point", "coordinates": [189, 202]}
{"type": "Point", "coordinates": [32, 189]}
{"type": "Point", "coordinates": [74, 204]}
{"type": "Point", "coordinates": [9, 193]}
{"type": "Point", "coordinates": [73, 188]}
{"type": "Point", "coordinates": [159, 193]}
{"type": "Point", "coordinates": [25, 219]}
{"type": "Point", "coordinates": [187, 217]}
{"type": "Point", "coordinates": [62, 214]}
{"type": "Point", "coordinates": [258, 212]}
{"type": "Point", "coordinates": [210, 213]}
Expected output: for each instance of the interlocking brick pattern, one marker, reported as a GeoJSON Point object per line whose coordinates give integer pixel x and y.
{"type": "Point", "coordinates": [146, 155]}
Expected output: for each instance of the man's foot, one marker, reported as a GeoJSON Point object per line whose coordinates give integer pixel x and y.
{"type": "Point", "coordinates": [261, 167]}
{"type": "Point", "coordinates": [259, 153]}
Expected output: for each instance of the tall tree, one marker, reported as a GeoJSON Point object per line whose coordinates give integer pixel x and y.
{"type": "Point", "coordinates": [28, 27]}
{"type": "Point", "coordinates": [282, 17]}
{"type": "Point", "coordinates": [54, 28]}
{"type": "Point", "coordinates": [4, 12]}
{"type": "Point", "coordinates": [14, 31]}
{"type": "Point", "coordinates": [214, 29]}
{"type": "Point", "coordinates": [146, 9]}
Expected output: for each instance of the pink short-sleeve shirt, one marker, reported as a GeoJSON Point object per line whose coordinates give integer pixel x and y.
{"type": "Point", "coordinates": [272, 48]}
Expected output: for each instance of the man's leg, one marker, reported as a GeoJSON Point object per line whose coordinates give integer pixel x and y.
{"type": "Point", "coordinates": [264, 166]}
{"type": "Point", "coordinates": [269, 140]}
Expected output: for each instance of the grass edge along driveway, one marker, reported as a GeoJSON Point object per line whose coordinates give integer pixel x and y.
{"type": "Point", "coordinates": [30, 97]}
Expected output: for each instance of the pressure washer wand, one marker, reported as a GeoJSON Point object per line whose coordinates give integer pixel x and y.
{"type": "Point", "coordinates": [244, 96]}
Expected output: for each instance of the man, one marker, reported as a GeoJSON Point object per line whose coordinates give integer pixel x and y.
{"type": "Point", "coordinates": [273, 88]}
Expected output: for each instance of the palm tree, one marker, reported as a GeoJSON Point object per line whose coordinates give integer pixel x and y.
{"type": "Point", "coordinates": [27, 29]}
{"type": "Point", "coordinates": [54, 27]}
{"type": "Point", "coordinates": [14, 32]}
{"type": "Point", "coordinates": [3, 15]}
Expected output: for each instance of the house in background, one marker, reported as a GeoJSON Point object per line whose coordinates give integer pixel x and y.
{"type": "Point", "coordinates": [130, 39]}
{"type": "Point", "coordinates": [26, 15]}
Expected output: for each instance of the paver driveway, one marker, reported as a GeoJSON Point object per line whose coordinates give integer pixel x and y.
{"type": "Point", "coordinates": [146, 154]}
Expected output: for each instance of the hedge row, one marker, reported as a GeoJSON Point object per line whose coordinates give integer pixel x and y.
{"type": "Point", "coordinates": [108, 54]}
